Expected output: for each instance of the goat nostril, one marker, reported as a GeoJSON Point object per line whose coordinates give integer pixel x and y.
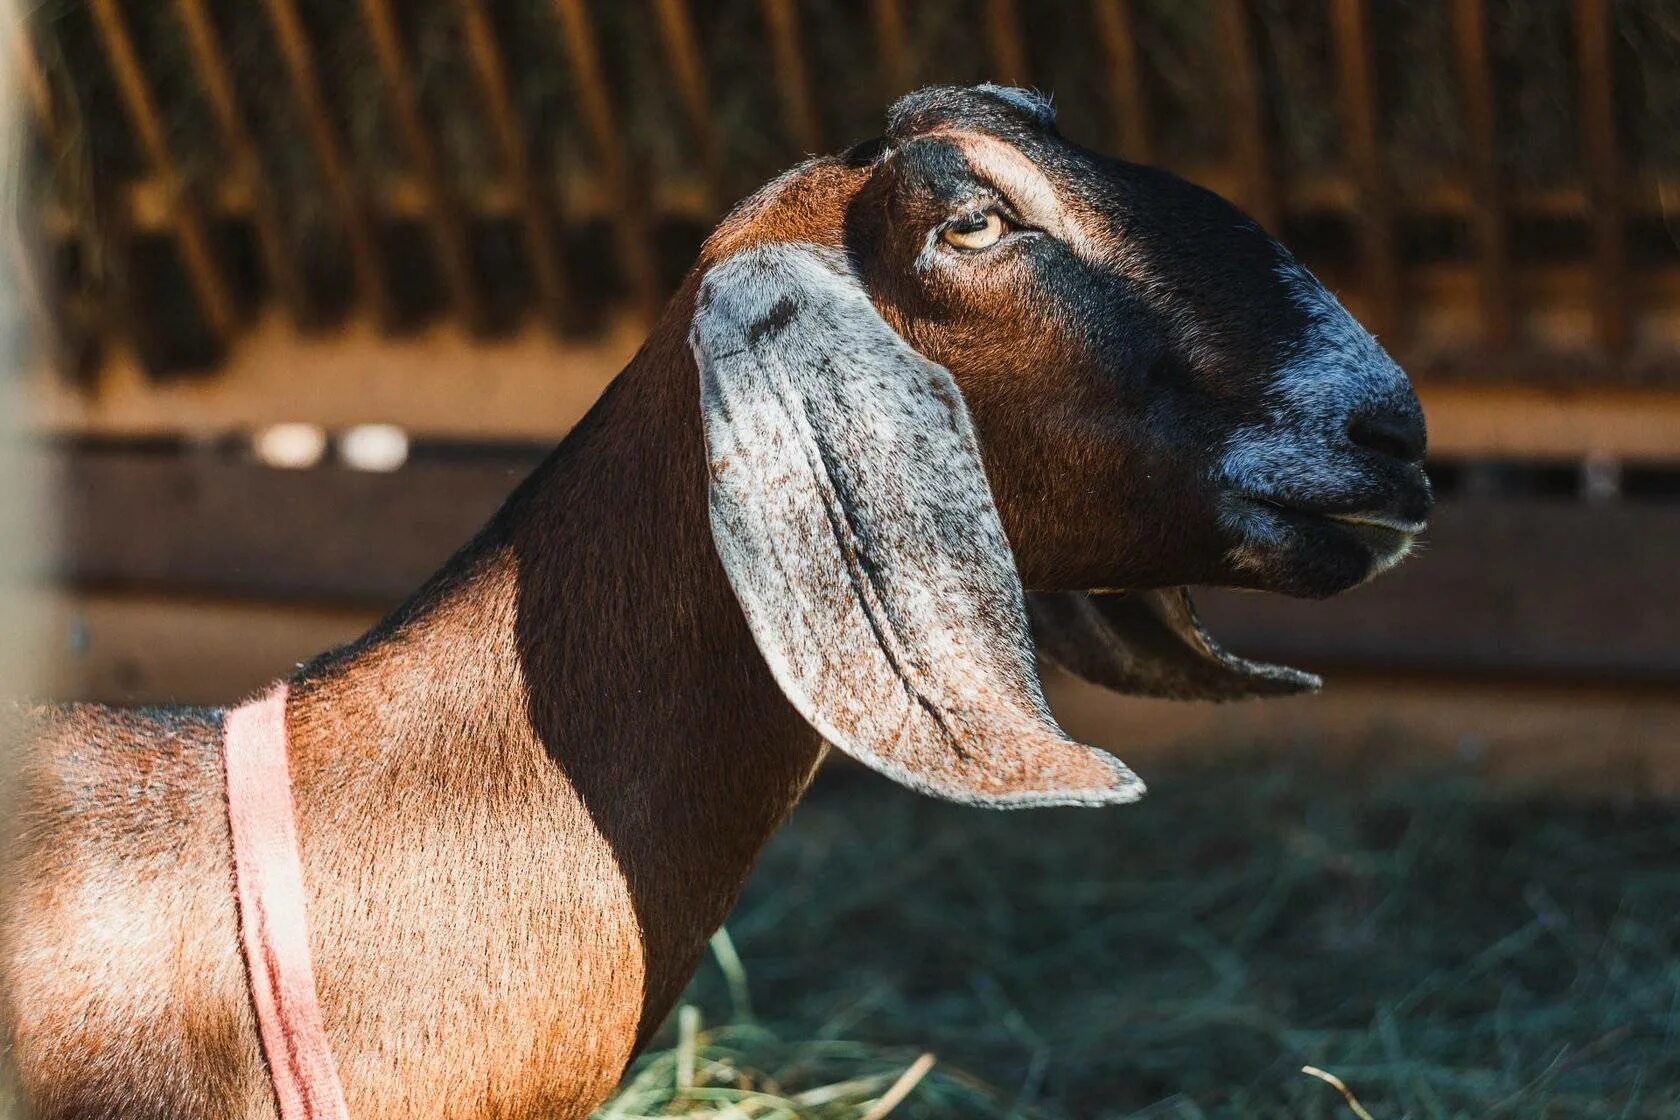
{"type": "Point", "coordinates": [1390, 434]}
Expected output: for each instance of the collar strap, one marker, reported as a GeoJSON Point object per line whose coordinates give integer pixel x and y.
{"type": "Point", "coordinates": [273, 928]}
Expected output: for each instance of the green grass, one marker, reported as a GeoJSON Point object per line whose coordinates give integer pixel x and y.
{"type": "Point", "coordinates": [1445, 950]}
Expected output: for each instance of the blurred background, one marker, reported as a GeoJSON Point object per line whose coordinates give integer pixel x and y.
{"type": "Point", "coordinates": [306, 286]}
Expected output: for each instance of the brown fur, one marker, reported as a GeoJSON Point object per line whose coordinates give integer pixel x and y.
{"type": "Point", "coordinates": [528, 798]}
{"type": "Point", "coordinates": [525, 802]}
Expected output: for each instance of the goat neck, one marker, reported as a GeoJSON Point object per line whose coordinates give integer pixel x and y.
{"type": "Point", "coordinates": [568, 733]}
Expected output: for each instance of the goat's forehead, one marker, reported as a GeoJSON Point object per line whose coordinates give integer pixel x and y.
{"type": "Point", "coordinates": [983, 107]}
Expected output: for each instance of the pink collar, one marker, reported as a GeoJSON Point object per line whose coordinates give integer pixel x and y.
{"type": "Point", "coordinates": [273, 929]}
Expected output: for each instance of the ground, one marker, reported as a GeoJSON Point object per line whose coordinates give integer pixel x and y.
{"type": "Point", "coordinates": [1446, 949]}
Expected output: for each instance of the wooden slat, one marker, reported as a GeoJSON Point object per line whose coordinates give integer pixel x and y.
{"type": "Point", "coordinates": [21, 253]}
{"type": "Point", "coordinates": [443, 208]}
{"type": "Point", "coordinates": [204, 272]}
{"type": "Point", "coordinates": [1488, 217]}
{"type": "Point", "coordinates": [542, 231]}
{"type": "Point", "coordinates": [70, 324]}
{"type": "Point", "coordinates": [682, 51]}
{"type": "Point", "coordinates": [353, 212]}
{"type": "Point", "coordinates": [1245, 109]}
{"type": "Point", "coordinates": [532, 386]}
{"type": "Point", "coordinates": [1578, 740]}
{"type": "Point", "coordinates": [1116, 29]}
{"type": "Point", "coordinates": [793, 78]}
{"type": "Point", "coordinates": [125, 648]}
{"type": "Point", "coordinates": [892, 43]}
{"type": "Point", "coordinates": [1601, 160]}
{"type": "Point", "coordinates": [1356, 67]}
{"type": "Point", "coordinates": [21, 52]}
{"type": "Point", "coordinates": [1004, 45]}
{"type": "Point", "coordinates": [246, 157]}
{"type": "Point", "coordinates": [161, 649]}
{"type": "Point", "coordinates": [1523, 587]}
{"type": "Point", "coordinates": [213, 525]}
{"type": "Point", "coordinates": [1510, 586]}
{"type": "Point", "coordinates": [630, 230]}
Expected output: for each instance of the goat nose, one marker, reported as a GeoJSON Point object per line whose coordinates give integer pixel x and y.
{"type": "Point", "coordinates": [1394, 431]}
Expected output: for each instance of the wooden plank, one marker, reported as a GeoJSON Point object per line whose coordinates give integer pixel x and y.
{"type": "Point", "coordinates": [340, 181]}
{"type": "Point", "coordinates": [152, 649]}
{"type": "Point", "coordinates": [635, 249]}
{"type": "Point", "coordinates": [1527, 587]}
{"type": "Point", "coordinates": [542, 234]}
{"type": "Point", "coordinates": [439, 382]}
{"type": "Point", "coordinates": [1488, 217]}
{"type": "Point", "coordinates": [1245, 104]}
{"type": "Point", "coordinates": [1601, 159]}
{"type": "Point", "coordinates": [209, 523]}
{"type": "Point", "coordinates": [793, 76]}
{"type": "Point", "coordinates": [245, 156]}
{"type": "Point", "coordinates": [1514, 586]}
{"type": "Point", "coordinates": [1116, 29]}
{"type": "Point", "coordinates": [1374, 215]}
{"type": "Point", "coordinates": [688, 69]}
{"type": "Point", "coordinates": [1004, 43]}
{"type": "Point", "coordinates": [204, 271]}
{"type": "Point", "coordinates": [1576, 739]}
{"type": "Point", "coordinates": [531, 386]}
{"type": "Point", "coordinates": [443, 208]}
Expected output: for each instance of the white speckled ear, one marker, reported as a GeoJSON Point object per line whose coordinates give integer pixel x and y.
{"type": "Point", "coordinates": [1150, 643]}
{"type": "Point", "coordinates": [854, 521]}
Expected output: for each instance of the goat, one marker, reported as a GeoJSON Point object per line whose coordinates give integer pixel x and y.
{"type": "Point", "coordinates": [899, 385]}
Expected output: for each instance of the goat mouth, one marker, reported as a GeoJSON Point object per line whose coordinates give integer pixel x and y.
{"type": "Point", "coordinates": [1385, 535]}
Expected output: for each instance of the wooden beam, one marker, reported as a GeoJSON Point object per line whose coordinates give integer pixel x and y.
{"type": "Point", "coordinates": [635, 249]}
{"type": "Point", "coordinates": [445, 383]}
{"type": "Point", "coordinates": [1576, 739]}
{"type": "Point", "coordinates": [793, 76]}
{"type": "Point", "coordinates": [1245, 113]}
{"type": "Point", "coordinates": [1005, 45]}
{"type": "Point", "coordinates": [1512, 586]}
{"type": "Point", "coordinates": [1489, 219]}
{"type": "Point", "coordinates": [340, 180]}
{"type": "Point", "coordinates": [1601, 158]}
{"type": "Point", "coordinates": [204, 271]}
{"type": "Point", "coordinates": [1374, 216]}
{"type": "Point", "coordinates": [1524, 587]}
{"type": "Point", "coordinates": [244, 155]}
{"type": "Point", "coordinates": [537, 207]}
{"type": "Point", "coordinates": [892, 44]}
{"type": "Point", "coordinates": [1116, 28]}
{"type": "Point", "coordinates": [443, 215]}
{"type": "Point", "coordinates": [158, 649]}
{"type": "Point", "coordinates": [688, 69]}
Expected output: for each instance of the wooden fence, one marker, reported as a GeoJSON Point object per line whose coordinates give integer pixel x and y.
{"type": "Point", "coordinates": [457, 215]}
{"type": "Point", "coordinates": [1489, 183]}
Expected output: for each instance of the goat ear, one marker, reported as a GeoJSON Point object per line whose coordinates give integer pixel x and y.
{"type": "Point", "coordinates": [853, 518]}
{"type": "Point", "coordinates": [1150, 643]}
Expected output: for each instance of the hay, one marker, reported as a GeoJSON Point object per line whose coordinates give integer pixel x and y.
{"type": "Point", "coordinates": [1443, 950]}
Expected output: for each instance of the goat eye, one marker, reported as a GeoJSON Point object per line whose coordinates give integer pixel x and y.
{"type": "Point", "coordinates": [982, 231]}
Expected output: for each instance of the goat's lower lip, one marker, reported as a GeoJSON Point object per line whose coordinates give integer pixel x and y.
{"type": "Point", "coordinates": [1382, 530]}
{"type": "Point", "coordinates": [1376, 520]}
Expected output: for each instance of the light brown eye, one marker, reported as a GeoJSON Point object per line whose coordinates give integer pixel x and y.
{"type": "Point", "coordinates": [980, 232]}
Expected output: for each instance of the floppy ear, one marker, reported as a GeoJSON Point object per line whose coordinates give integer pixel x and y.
{"type": "Point", "coordinates": [853, 518]}
{"type": "Point", "coordinates": [1150, 643]}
